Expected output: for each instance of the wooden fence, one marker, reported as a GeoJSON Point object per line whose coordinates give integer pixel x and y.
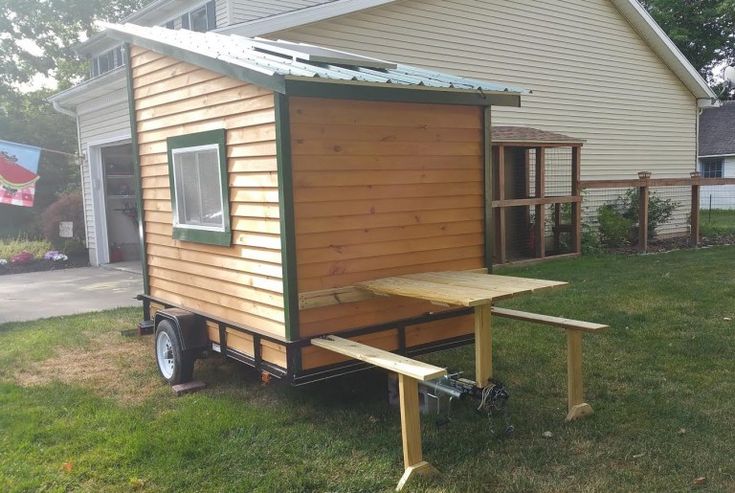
{"type": "Point", "coordinates": [645, 182]}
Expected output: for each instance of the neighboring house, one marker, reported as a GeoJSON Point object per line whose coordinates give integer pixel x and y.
{"type": "Point", "coordinates": [717, 154]}
{"type": "Point", "coordinates": [600, 70]}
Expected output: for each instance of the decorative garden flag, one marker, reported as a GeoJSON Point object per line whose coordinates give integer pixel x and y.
{"type": "Point", "coordinates": [18, 173]}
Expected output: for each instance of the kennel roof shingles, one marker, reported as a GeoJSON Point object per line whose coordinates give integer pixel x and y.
{"type": "Point", "coordinates": [528, 135]}
{"type": "Point", "coordinates": [717, 131]}
{"type": "Point", "coordinates": [283, 62]}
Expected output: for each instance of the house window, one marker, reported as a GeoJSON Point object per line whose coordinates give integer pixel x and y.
{"type": "Point", "coordinates": [199, 194]}
{"type": "Point", "coordinates": [201, 19]}
{"type": "Point", "coordinates": [712, 168]}
{"type": "Point", "coordinates": [107, 61]}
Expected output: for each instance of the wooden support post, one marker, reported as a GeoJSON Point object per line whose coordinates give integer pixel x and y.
{"type": "Point", "coordinates": [540, 231]}
{"type": "Point", "coordinates": [483, 346]}
{"type": "Point", "coordinates": [577, 407]}
{"type": "Point", "coordinates": [694, 240]}
{"type": "Point", "coordinates": [576, 206]}
{"type": "Point", "coordinates": [501, 225]}
{"type": "Point", "coordinates": [643, 217]}
{"type": "Point", "coordinates": [413, 459]}
{"type": "Point", "coordinates": [557, 227]}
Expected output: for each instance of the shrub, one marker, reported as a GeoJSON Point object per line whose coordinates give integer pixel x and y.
{"type": "Point", "coordinates": [9, 248]}
{"type": "Point", "coordinates": [68, 207]}
{"type": "Point", "coordinates": [615, 228]}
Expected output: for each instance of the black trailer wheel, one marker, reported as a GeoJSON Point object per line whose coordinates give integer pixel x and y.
{"type": "Point", "coordinates": [175, 364]}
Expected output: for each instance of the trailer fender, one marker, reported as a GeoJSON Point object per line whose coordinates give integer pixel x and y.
{"type": "Point", "coordinates": [191, 328]}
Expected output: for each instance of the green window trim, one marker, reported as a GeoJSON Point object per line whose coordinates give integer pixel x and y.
{"type": "Point", "coordinates": [193, 233]}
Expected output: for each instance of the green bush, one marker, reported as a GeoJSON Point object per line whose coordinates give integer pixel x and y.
{"type": "Point", "coordinates": [8, 248]}
{"type": "Point", "coordinates": [68, 207]}
{"type": "Point", "coordinates": [614, 227]}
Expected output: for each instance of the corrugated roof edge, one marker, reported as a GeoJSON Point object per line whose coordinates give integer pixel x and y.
{"type": "Point", "coordinates": [241, 58]}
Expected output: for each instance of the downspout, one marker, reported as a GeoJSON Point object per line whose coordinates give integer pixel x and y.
{"type": "Point", "coordinates": [82, 158]}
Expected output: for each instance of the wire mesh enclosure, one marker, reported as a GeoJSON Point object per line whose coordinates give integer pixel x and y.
{"type": "Point", "coordinates": [536, 200]}
{"type": "Point", "coordinates": [624, 213]}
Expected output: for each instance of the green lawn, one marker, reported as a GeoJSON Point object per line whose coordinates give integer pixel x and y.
{"type": "Point", "coordinates": [83, 409]}
{"type": "Point", "coordinates": [717, 222]}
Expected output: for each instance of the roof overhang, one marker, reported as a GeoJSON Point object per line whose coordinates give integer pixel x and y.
{"type": "Point", "coordinates": [89, 89]}
{"type": "Point", "coordinates": [633, 12]}
{"type": "Point", "coordinates": [309, 86]}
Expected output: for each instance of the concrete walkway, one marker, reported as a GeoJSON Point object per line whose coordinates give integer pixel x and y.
{"type": "Point", "coordinates": [66, 292]}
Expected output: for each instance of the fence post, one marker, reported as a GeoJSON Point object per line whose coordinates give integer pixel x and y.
{"type": "Point", "coordinates": [643, 210]}
{"type": "Point", "coordinates": [694, 215]}
{"type": "Point", "coordinates": [576, 206]}
{"type": "Point", "coordinates": [541, 208]}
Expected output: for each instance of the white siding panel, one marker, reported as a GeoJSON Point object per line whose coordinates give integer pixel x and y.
{"type": "Point", "coordinates": [248, 10]}
{"type": "Point", "coordinates": [107, 122]}
{"type": "Point", "coordinates": [592, 76]}
{"type": "Point", "coordinates": [221, 13]}
{"type": "Point", "coordinates": [723, 196]}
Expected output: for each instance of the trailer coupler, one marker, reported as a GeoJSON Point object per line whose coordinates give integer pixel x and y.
{"type": "Point", "coordinates": [493, 398]}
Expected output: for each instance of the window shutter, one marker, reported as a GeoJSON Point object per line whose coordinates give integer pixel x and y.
{"type": "Point", "coordinates": [211, 15]}
{"type": "Point", "coordinates": [185, 21]}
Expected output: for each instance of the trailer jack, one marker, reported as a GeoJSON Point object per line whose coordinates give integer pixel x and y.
{"type": "Point", "coordinates": [492, 399]}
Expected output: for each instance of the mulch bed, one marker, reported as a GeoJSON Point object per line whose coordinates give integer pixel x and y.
{"type": "Point", "coordinates": [682, 243]}
{"type": "Point", "coordinates": [44, 265]}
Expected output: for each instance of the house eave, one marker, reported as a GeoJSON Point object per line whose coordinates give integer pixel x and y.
{"type": "Point", "coordinates": [106, 83]}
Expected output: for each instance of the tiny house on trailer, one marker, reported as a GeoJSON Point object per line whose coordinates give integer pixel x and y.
{"type": "Point", "coordinates": [285, 190]}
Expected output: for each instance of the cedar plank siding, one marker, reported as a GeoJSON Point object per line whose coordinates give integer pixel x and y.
{"type": "Point", "coordinates": [383, 189]}
{"type": "Point", "coordinates": [592, 75]}
{"type": "Point", "coordinates": [242, 283]}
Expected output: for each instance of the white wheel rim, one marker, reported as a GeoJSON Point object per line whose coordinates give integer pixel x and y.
{"type": "Point", "coordinates": [165, 354]}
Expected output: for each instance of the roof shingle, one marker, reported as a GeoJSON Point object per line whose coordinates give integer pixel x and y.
{"type": "Point", "coordinates": [717, 131]}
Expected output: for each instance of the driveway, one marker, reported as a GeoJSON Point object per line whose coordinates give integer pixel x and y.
{"type": "Point", "coordinates": [66, 292]}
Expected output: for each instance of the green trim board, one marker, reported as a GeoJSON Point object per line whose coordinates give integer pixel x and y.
{"type": "Point", "coordinates": [286, 209]}
{"type": "Point", "coordinates": [386, 92]}
{"type": "Point", "coordinates": [136, 169]}
{"type": "Point", "coordinates": [488, 179]}
{"type": "Point", "coordinates": [194, 234]}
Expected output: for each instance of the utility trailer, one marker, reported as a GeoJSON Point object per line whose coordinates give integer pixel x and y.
{"type": "Point", "coordinates": [290, 195]}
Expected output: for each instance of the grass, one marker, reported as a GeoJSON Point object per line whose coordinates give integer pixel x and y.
{"type": "Point", "coordinates": [717, 222]}
{"type": "Point", "coordinates": [10, 247]}
{"type": "Point", "coordinates": [661, 383]}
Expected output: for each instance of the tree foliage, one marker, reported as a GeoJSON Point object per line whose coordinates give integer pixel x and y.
{"type": "Point", "coordinates": [704, 30]}
{"type": "Point", "coordinates": [38, 37]}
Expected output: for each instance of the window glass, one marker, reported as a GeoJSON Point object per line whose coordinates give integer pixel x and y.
{"type": "Point", "coordinates": [198, 188]}
{"type": "Point", "coordinates": [712, 168]}
{"type": "Point", "coordinates": [198, 20]}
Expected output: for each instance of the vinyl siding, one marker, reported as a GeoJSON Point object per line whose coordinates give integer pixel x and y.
{"type": "Point", "coordinates": [240, 283]}
{"type": "Point", "coordinates": [99, 121]}
{"type": "Point", "coordinates": [248, 10]}
{"type": "Point", "coordinates": [592, 75]}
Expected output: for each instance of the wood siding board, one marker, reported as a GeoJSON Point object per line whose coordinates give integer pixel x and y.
{"type": "Point", "coordinates": [404, 194]}
{"type": "Point", "coordinates": [241, 282]}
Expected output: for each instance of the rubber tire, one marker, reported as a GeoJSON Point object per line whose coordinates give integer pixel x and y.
{"type": "Point", "coordinates": [183, 360]}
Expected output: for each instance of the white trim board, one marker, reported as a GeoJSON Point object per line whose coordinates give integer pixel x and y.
{"type": "Point", "coordinates": [93, 150]}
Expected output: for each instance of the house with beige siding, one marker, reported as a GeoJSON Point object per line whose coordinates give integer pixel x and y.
{"type": "Point", "coordinates": [600, 70]}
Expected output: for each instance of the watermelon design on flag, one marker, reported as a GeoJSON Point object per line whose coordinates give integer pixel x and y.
{"type": "Point", "coordinates": [15, 176]}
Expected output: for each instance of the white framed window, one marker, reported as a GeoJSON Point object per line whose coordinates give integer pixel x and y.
{"type": "Point", "coordinates": [201, 19]}
{"type": "Point", "coordinates": [199, 193]}
{"type": "Point", "coordinates": [712, 167]}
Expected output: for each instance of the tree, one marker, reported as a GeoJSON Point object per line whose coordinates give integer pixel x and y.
{"type": "Point", "coordinates": [38, 37]}
{"type": "Point", "coordinates": [54, 26]}
{"type": "Point", "coordinates": [704, 30]}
